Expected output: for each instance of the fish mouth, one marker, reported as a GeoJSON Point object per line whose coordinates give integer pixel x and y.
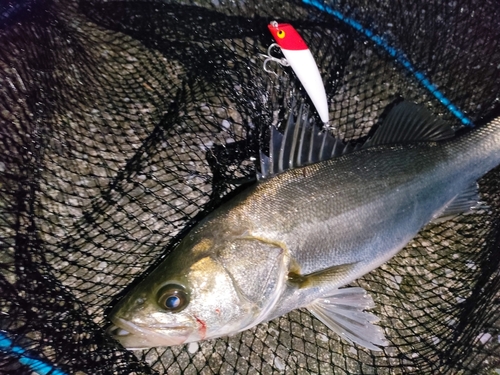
{"type": "Point", "coordinates": [135, 337]}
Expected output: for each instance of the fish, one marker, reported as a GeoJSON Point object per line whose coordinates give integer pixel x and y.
{"type": "Point", "coordinates": [299, 57]}
{"type": "Point", "coordinates": [322, 214]}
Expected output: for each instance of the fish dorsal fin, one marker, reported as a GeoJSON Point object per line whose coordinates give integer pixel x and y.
{"type": "Point", "coordinates": [301, 144]}
{"type": "Point", "coordinates": [409, 123]}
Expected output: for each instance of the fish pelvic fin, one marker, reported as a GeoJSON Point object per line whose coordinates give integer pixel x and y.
{"type": "Point", "coordinates": [409, 123]}
{"type": "Point", "coordinates": [343, 313]}
{"type": "Point", "coordinates": [301, 144]}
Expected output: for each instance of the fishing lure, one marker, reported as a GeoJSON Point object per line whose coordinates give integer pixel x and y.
{"type": "Point", "coordinates": [299, 57]}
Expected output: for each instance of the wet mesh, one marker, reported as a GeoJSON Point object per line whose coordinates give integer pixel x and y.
{"type": "Point", "coordinates": [122, 123]}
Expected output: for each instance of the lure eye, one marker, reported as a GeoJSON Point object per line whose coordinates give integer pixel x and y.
{"type": "Point", "coordinates": [173, 298]}
{"type": "Point", "coordinates": [281, 34]}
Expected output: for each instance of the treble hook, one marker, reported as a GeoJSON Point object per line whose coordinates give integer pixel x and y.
{"type": "Point", "coordinates": [269, 57]}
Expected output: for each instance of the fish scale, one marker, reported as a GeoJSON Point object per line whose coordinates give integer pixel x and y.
{"type": "Point", "coordinates": [341, 194]}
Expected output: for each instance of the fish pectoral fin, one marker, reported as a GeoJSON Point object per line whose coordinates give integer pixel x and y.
{"type": "Point", "coordinates": [323, 277]}
{"type": "Point", "coordinates": [343, 313]}
{"type": "Point", "coordinates": [409, 123]}
{"type": "Point", "coordinates": [466, 202]}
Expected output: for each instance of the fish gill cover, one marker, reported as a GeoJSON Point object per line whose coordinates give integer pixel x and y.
{"type": "Point", "coordinates": [122, 123]}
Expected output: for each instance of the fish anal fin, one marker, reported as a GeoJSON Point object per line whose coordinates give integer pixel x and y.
{"type": "Point", "coordinates": [323, 277]}
{"type": "Point", "coordinates": [466, 202]}
{"type": "Point", "coordinates": [343, 312]}
{"type": "Point", "coordinates": [409, 123]}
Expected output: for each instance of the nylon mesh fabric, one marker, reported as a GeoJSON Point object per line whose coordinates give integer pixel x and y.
{"type": "Point", "coordinates": [123, 123]}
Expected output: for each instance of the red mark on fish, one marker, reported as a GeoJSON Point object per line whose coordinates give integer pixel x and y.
{"type": "Point", "coordinates": [202, 328]}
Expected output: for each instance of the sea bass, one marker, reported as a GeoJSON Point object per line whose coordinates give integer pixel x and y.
{"type": "Point", "coordinates": [321, 215]}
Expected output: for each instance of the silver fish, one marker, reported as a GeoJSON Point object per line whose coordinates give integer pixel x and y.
{"type": "Point", "coordinates": [322, 215]}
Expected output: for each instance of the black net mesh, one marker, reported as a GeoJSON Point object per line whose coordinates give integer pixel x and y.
{"type": "Point", "coordinates": [122, 123]}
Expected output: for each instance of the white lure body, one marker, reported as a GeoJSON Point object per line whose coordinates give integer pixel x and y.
{"type": "Point", "coordinates": [304, 66]}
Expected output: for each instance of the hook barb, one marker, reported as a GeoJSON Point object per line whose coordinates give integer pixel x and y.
{"type": "Point", "coordinates": [269, 57]}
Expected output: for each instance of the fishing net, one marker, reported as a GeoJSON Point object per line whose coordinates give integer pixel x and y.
{"type": "Point", "coordinates": [123, 123]}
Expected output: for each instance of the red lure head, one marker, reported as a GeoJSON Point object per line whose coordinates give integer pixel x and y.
{"type": "Point", "coordinates": [286, 36]}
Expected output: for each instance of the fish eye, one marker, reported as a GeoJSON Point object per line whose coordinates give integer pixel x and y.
{"type": "Point", "coordinates": [281, 34]}
{"type": "Point", "coordinates": [173, 298]}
